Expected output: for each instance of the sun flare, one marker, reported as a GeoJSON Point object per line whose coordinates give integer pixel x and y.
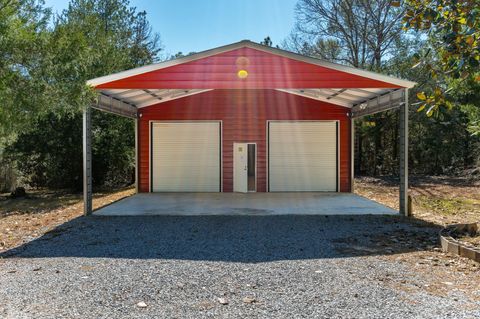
{"type": "Point", "coordinates": [242, 74]}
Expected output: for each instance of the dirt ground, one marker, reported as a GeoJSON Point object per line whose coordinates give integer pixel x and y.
{"type": "Point", "coordinates": [470, 240]}
{"type": "Point", "coordinates": [436, 201]}
{"type": "Point", "coordinates": [24, 219]}
{"type": "Point", "coordinates": [439, 200]}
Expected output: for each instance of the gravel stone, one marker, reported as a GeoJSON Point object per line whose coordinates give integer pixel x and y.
{"type": "Point", "coordinates": [249, 299]}
{"type": "Point", "coordinates": [293, 267]}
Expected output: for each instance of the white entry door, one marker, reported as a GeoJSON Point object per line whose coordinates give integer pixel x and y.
{"type": "Point", "coordinates": [244, 167]}
{"type": "Point", "coordinates": [240, 167]}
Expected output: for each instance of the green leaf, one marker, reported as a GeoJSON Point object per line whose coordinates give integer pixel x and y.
{"type": "Point", "coordinates": [430, 110]}
{"type": "Point", "coordinates": [417, 65]}
{"type": "Point", "coordinates": [421, 96]}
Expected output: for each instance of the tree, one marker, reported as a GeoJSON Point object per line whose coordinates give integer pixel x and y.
{"type": "Point", "coordinates": [267, 41]}
{"type": "Point", "coordinates": [453, 28]}
{"type": "Point", "coordinates": [370, 35]}
{"type": "Point", "coordinates": [360, 33]}
{"type": "Point", "coordinates": [363, 34]}
{"type": "Point", "coordinates": [89, 39]}
{"type": "Point", "coordinates": [180, 54]}
{"type": "Point", "coordinates": [23, 42]}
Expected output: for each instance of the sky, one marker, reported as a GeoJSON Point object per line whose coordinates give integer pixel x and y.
{"type": "Point", "coordinates": [197, 25]}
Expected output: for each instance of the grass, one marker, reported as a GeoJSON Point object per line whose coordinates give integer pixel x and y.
{"type": "Point", "coordinates": [447, 206]}
{"type": "Point", "coordinates": [440, 200]}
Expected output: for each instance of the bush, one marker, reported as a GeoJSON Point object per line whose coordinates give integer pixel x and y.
{"type": "Point", "coordinates": [49, 153]}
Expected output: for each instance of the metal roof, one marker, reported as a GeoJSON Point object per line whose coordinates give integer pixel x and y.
{"type": "Point", "coordinates": [362, 101]}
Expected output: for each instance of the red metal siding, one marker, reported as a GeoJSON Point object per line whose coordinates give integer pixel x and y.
{"type": "Point", "coordinates": [265, 71]}
{"type": "Point", "coordinates": [244, 114]}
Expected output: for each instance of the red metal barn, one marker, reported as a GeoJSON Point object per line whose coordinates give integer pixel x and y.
{"type": "Point", "coordinates": [246, 118]}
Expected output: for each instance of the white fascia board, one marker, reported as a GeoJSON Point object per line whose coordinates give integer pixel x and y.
{"type": "Point", "coordinates": [256, 46]}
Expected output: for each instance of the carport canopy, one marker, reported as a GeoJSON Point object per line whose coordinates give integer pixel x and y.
{"type": "Point", "coordinates": [248, 65]}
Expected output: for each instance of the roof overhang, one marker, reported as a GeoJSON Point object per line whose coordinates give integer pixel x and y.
{"type": "Point", "coordinates": [378, 93]}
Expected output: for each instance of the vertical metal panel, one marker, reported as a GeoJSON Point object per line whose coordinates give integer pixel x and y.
{"type": "Point", "coordinates": [337, 150]}
{"type": "Point", "coordinates": [136, 155]}
{"type": "Point", "coordinates": [352, 154]}
{"type": "Point", "coordinates": [244, 116]}
{"type": "Point", "coordinates": [404, 156]}
{"type": "Point", "coordinates": [87, 160]}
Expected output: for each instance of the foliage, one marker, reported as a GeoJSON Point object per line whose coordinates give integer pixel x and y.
{"type": "Point", "coordinates": [180, 54]}
{"type": "Point", "coordinates": [355, 32]}
{"type": "Point", "coordinates": [23, 41]}
{"type": "Point", "coordinates": [89, 39]}
{"type": "Point", "coordinates": [440, 144]}
{"type": "Point", "coordinates": [453, 28]}
{"type": "Point", "coordinates": [45, 62]}
{"type": "Point", "coordinates": [267, 41]}
{"type": "Point", "coordinates": [467, 93]}
{"type": "Point", "coordinates": [95, 38]}
{"type": "Point", "coordinates": [369, 34]}
{"type": "Point", "coordinates": [50, 154]}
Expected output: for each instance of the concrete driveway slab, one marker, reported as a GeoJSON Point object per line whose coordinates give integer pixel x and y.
{"type": "Point", "coordinates": [190, 204]}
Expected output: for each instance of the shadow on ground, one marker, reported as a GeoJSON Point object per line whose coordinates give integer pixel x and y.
{"type": "Point", "coordinates": [230, 238]}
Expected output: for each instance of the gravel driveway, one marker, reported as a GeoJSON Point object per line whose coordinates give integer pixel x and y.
{"type": "Point", "coordinates": [260, 267]}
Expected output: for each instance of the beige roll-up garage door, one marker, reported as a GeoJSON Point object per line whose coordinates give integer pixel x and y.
{"type": "Point", "coordinates": [302, 156]}
{"type": "Point", "coordinates": [185, 157]}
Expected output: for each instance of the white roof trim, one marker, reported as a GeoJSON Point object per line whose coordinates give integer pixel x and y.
{"type": "Point", "coordinates": [252, 45]}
